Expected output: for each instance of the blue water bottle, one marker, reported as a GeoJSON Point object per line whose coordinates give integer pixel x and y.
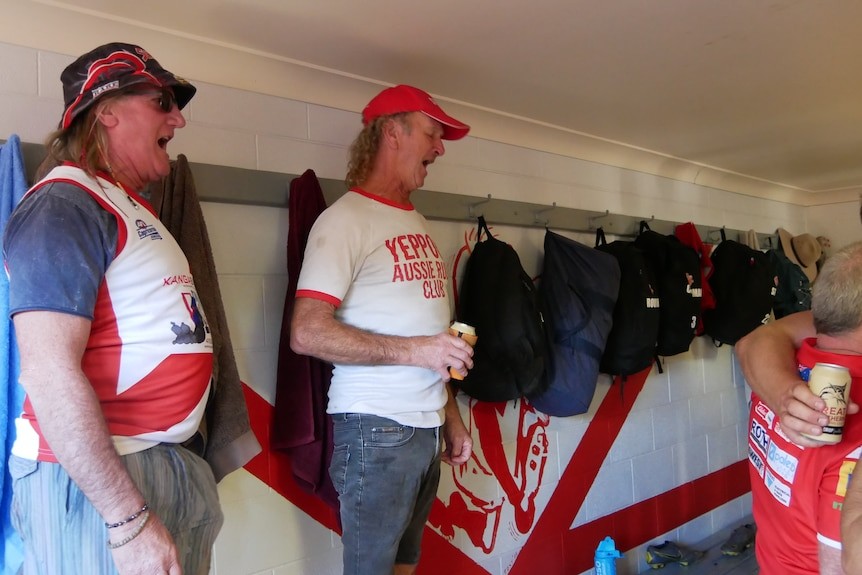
{"type": "Point", "coordinates": [606, 556]}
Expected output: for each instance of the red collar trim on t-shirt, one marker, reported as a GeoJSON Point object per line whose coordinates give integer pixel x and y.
{"type": "Point", "coordinates": [382, 200]}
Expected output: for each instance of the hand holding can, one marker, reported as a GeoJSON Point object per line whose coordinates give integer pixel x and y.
{"type": "Point", "coordinates": [468, 334]}
{"type": "Point", "coordinates": [831, 383]}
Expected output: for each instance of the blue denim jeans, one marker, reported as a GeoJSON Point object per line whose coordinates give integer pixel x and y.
{"type": "Point", "coordinates": [386, 475]}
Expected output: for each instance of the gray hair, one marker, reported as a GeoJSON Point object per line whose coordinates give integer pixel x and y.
{"type": "Point", "coordinates": [836, 300]}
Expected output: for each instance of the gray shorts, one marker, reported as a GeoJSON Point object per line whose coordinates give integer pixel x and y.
{"type": "Point", "coordinates": [386, 475]}
{"type": "Point", "coordinates": [63, 533]}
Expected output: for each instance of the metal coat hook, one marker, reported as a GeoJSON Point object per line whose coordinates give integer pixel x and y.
{"type": "Point", "coordinates": [592, 220]}
{"type": "Point", "coordinates": [470, 213]}
{"type": "Point", "coordinates": [709, 234]}
{"type": "Point", "coordinates": [537, 213]}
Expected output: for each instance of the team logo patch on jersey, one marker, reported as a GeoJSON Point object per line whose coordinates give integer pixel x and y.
{"type": "Point", "coordinates": [780, 491]}
{"type": "Point", "coordinates": [782, 462]}
{"type": "Point", "coordinates": [764, 412]}
{"type": "Point", "coordinates": [146, 230]}
{"type": "Point", "coordinates": [755, 460]}
{"type": "Point", "coordinates": [759, 436]}
{"type": "Point", "coordinates": [196, 333]}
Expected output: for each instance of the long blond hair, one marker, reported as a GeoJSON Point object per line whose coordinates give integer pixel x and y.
{"type": "Point", "coordinates": [82, 143]}
{"type": "Point", "coordinates": [364, 149]}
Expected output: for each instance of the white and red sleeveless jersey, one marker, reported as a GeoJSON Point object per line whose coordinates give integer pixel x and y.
{"type": "Point", "coordinates": [149, 355]}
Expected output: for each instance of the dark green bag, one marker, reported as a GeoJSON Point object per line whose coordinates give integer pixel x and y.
{"type": "Point", "coordinates": [794, 289]}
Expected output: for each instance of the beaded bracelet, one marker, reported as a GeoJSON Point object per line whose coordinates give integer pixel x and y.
{"type": "Point", "coordinates": [128, 519]}
{"type": "Point", "coordinates": [133, 534]}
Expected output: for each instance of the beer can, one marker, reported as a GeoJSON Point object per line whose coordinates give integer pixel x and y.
{"type": "Point", "coordinates": [831, 383]}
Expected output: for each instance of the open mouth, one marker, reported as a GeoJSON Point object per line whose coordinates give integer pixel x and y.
{"type": "Point", "coordinates": [163, 143]}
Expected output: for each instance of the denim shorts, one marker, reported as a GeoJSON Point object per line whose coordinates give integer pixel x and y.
{"type": "Point", "coordinates": [63, 533]}
{"type": "Point", "coordinates": [386, 475]}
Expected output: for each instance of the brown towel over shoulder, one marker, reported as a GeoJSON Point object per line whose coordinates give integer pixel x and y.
{"type": "Point", "coordinates": [227, 442]}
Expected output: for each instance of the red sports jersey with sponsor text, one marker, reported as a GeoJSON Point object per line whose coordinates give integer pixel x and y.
{"type": "Point", "coordinates": [797, 492]}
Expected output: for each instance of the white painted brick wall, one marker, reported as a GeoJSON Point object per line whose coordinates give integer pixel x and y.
{"type": "Point", "coordinates": [687, 422]}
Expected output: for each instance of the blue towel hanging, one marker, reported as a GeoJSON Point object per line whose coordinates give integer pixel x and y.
{"type": "Point", "coordinates": [13, 186]}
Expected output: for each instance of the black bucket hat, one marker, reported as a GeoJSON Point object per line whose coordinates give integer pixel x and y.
{"type": "Point", "coordinates": [111, 67]}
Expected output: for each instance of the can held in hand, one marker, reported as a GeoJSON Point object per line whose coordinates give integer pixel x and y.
{"type": "Point", "coordinates": [831, 383]}
{"type": "Point", "coordinates": [468, 334]}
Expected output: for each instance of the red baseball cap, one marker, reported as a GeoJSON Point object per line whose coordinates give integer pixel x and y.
{"type": "Point", "coordinates": [403, 98]}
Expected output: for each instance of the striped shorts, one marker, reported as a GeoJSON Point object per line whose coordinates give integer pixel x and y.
{"type": "Point", "coordinates": [63, 533]}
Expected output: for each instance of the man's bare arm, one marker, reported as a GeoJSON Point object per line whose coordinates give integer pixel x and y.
{"type": "Point", "coordinates": [851, 528]}
{"type": "Point", "coordinates": [768, 355]}
{"type": "Point", "coordinates": [316, 332]}
{"type": "Point", "coordinates": [768, 360]}
{"type": "Point", "coordinates": [52, 345]}
{"type": "Point", "coordinates": [829, 559]}
{"type": "Point", "coordinates": [458, 445]}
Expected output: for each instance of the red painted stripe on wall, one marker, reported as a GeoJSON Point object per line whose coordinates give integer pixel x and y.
{"type": "Point", "coordinates": [273, 467]}
{"type": "Point", "coordinates": [544, 549]}
{"type": "Point", "coordinates": [641, 522]}
{"type": "Point", "coordinates": [552, 546]}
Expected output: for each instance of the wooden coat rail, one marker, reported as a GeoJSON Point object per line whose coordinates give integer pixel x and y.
{"type": "Point", "coordinates": [256, 187]}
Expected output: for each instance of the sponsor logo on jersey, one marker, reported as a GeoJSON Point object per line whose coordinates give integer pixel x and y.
{"type": "Point", "coordinates": [782, 462]}
{"type": "Point", "coordinates": [779, 491]}
{"type": "Point", "coordinates": [764, 412]}
{"type": "Point", "coordinates": [146, 230]}
{"type": "Point", "coordinates": [755, 460]}
{"type": "Point", "coordinates": [180, 279]}
{"type": "Point", "coordinates": [845, 474]}
{"type": "Point", "coordinates": [759, 436]}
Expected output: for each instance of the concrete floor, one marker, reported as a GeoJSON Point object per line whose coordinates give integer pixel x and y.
{"type": "Point", "coordinates": [713, 562]}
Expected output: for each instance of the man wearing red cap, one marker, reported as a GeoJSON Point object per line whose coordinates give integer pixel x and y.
{"type": "Point", "coordinates": [373, 299]}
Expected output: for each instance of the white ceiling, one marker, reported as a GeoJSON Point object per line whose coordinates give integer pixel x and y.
{"type": "Point", "coordinates": [770, 89]}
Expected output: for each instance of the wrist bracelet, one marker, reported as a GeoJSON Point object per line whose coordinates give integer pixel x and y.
{"type": "Point", "coordinates": [133, 534]}
{"type": "Point", "coordinates": [128, 519]}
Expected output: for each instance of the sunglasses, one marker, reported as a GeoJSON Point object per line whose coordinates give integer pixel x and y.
{"type": "Point", "coordinates": [166, 100]}
{"type": "Point", "coordinates": [164, 96]}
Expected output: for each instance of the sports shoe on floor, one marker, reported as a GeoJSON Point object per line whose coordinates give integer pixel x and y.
{"type": "Point", "coordinates": [741, 539]}
{"type": "Point", "coordinates": [657, 556]}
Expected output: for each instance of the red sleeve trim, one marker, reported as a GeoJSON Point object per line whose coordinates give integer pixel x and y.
{"type": "Point", "coordinates": [318, 295]}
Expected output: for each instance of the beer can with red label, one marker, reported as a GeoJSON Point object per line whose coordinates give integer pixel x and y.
{"type": "Point", "coordinates": [831, 383]}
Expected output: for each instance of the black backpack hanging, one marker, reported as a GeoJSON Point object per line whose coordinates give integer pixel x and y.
{"type": "Point", "coordinates": [677, 272]}
{"type": "Point", "coordinates": [744, 285]}
{"type": "Point", "coordinates": [499, 299]}
{"type": "Point", "coordinates": [579, 286]}
{"type": "Point", "coordinates": [794, 287]}
{"type": "Point", "coordinates": [632, 341]}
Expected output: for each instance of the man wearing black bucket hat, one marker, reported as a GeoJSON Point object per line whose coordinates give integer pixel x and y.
{"type": "Point", "coordinates": [116, 355]}
{"type": "Point", "coordinates": [372, 298]}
